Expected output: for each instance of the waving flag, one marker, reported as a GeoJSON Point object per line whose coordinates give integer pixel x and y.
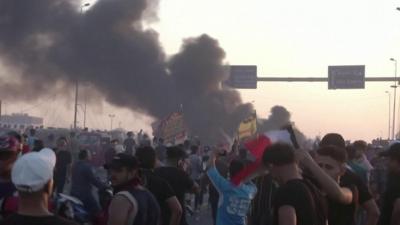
{"type": "Point", "coordinates": [257, 147]}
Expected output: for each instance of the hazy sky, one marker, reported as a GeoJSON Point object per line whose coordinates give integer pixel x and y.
{"type": "Point", "coordinates": [284, 38]}
{"type": "Point", "coordinates": [301, 38]}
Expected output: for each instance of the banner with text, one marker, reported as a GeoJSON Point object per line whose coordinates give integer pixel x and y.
{"type": "Point", "coordinates": [172, 129]}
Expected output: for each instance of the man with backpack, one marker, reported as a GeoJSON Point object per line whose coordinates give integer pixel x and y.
{"type": "Point", "coordinates": [297, 200]}
{"type": "Point", "coordinates": [132, 204]}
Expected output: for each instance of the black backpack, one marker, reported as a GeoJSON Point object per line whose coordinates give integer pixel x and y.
{"type": "Point", "coordinates": [319, 204]}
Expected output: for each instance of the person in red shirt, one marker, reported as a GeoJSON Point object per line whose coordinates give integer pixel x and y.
{"type": "Point", "coordinates": [9, 151]}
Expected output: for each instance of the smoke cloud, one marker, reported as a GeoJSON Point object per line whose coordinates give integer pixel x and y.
{"type": "Point", "coordinates": [280, 117]}
{"type": "Point", "coordinates": [49, 45]}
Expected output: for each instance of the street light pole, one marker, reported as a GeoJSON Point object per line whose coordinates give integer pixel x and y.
{"type": "Point", "coordinates": [111, 118]}
{"type": "Point", "coordinates": [83, 6]}
{"type": "Point", "coordinates": [390, 97]}
{"type": "Point", "coordinates": [0, 109]}
{"type": "Point", "coordinates": [77, 82]}
{"type": "Point", "coordinates": [394, 99]}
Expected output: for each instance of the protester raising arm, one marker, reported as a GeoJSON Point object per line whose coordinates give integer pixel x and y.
{"type": "Point", "coordinates": [215, 177]}
{"type": "Point", "coordinates": [330, 186]}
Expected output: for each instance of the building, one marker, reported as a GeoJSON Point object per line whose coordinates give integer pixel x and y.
{"type": "Point", "coordinates": [20, 121]}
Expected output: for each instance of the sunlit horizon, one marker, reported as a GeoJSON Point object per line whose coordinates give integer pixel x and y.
{"type": "Point", "coordinates": [283, 38]}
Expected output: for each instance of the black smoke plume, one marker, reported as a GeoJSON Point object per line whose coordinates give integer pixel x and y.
{"type": "Point", "coordinates": [280, 117]}
{"type": "Point", "coordinates": [48, 45]}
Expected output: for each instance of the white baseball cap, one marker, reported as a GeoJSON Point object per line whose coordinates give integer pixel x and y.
{"type": "Point", "coordinates": [33, 170]}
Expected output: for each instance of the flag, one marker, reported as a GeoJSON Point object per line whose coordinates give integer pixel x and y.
{"type": "Point", "coordinates": [248, 127]}
{"type": "Point", "coordinates": [257, 147]}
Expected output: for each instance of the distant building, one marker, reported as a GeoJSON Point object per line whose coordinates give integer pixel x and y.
{"type": "Point", "coordinates": [20, 121]}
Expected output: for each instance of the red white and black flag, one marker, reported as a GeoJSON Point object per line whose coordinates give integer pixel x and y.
{"type": "Point", "coordinates": [257, 147]}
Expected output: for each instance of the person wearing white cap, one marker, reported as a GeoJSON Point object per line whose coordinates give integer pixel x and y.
{"type": "Point", "coordinates": [32, 175]}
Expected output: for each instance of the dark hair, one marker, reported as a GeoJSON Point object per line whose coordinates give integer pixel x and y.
{"type": "Point", "coordinates": [235, 167]}
{"type": "Point", "coordinates": [114, 141]}
{"type": "Point", "coordinates": [194, 149]}
{"type": "Point", "coordinates": [360, 144]}
{"type": "Point", "coordinates": [123, 160]}
{"type": "Point", "coordinates": [393, 152]}
{"type": "Point", "coordinates": [186, 143]}
{"type": "Point", "coordinates": [176, 152]}
{"type": "Point", "coordinates": [83, 154]}
{"type": "Point", "coordinates": [336, 153]}
{"type": "Point", "coordinates": [37, 145]}
{"type": "Point", "coordinates": [351, 152]}
{"type": "Point", "coordinates": [279, 154]}
{"type": "Point", "coordinates": [146, 157]}
{"type": "Point", "coordinates": [333, 139]}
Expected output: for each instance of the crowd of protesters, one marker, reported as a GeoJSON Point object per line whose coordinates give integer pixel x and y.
{"type": "Point", "coordinates": [336, 183]}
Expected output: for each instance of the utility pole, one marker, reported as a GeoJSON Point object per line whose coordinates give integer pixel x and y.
{"type": "Point", "coordinates": [112, 116]}
{"type": "Point", "coordinates": [77, 81]}
{"type": "Point", "coordinates": [76, 103]}
{"type": "Point", "coordinates": [389, 119]}
{"type": "Point", "coordinates": [394, 99]}
{"type": "Point", "coordinates": [84, 112]}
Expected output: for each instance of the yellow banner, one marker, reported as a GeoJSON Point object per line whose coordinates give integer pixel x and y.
{"type": "Point", "coordinates": [248, 127]}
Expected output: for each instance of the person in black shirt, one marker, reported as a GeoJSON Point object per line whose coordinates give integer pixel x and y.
{"type": "Point", "coordinates": [171, 209]}
{"type": "Point", "coordinates": [178, 179]}
{"type": "Point", "coordinates": [111, 151]}
{"type": "Point", "coordinates": [297, 201]}
{"type": "Point", "coordinates": [161, 151]}
{"type": "Point", "coordinates": [34, 191]}
{"type": "Point", "coordinates": [349, 178]}
{"type": "Point", "coordinates": [129, 144]}
{"type": "Point", "coordinates": [261, 208]}
{"type": "Point", "coordinates": [333, 161]}
{"type": "Point", "coordinates": [63, 166]}
{"type": "Point", "coordinates": [391, 197]}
